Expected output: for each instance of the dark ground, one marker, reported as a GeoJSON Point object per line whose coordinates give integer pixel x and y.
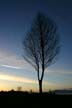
{"type": "Point", "coordinates": [34, 100]}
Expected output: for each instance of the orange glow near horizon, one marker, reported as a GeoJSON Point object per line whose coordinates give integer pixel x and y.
{"type": "Point", "coordinates": [16, 79]}
{"type": "Point", "coordinates": [8, 82]}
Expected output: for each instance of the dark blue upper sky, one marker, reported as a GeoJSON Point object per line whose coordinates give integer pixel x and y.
{"type": "Point", "coordinates": [16, 17]}
{"type": "Point", "coordinates": [15, 20]}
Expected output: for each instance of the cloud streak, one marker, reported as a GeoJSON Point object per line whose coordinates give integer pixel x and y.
{"type": "Point", "coordinates": [10, 60]}
{"type": "Point", "coordinates": [58, 72]}
{"type": "Point", "coordinates": [17, 79]}
{"type": "Point", "coordinates": [14, 67]}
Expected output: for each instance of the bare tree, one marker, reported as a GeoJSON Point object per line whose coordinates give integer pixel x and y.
{"type": "Point", "coordinates": [41, 45]}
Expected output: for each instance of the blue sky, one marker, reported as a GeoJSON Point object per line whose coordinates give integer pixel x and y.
{"type": "Point", "coordinates": [15, 20]}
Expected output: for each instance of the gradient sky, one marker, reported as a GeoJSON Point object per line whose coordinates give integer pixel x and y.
{"type": "Point", "coordinates": [15, 20]}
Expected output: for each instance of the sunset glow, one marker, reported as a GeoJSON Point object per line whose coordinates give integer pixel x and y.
{"type": "Point", "coordinates": [16, 79]}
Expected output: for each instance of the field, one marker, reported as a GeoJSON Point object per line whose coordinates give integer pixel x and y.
{"type": "Point", "coordinates": [34, 99]}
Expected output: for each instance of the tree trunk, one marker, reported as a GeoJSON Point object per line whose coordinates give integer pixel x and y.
{"type": "Point", "coordinates": [40, 86]}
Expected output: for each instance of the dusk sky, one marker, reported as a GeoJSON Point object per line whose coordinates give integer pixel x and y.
{"type": "Point", "coordinates": [16, 17]}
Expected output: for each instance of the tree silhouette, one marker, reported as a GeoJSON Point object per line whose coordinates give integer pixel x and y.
{"type": "Point", "coordinates": [41, 45]}
{"type": "Point", "coordinates": [19, 88]}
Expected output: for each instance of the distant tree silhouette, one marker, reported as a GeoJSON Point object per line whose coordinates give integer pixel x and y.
{"type": "Point", "coordinates": [41, 45]}
{"type": "Point", "coordinates": [19, 88]}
